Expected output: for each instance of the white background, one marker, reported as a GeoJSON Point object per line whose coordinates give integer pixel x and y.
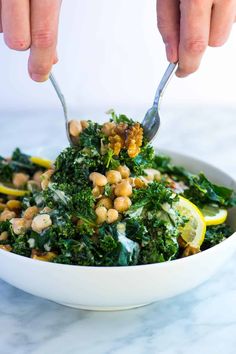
{"type": "Point", "coordinates": [111, 55]}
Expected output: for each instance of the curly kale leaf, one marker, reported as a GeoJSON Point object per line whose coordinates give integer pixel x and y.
{"type": "Point", "coordinates": [120, 118]}
{"type": "Point", "coordinates": [152, 198]}
{"type": "Point", "coordinates": [115, 248]}
{"type": "Point", "coordinates": [19, 162]}
{"type": "Point", "coordinates": [215, 235]}
{"type": "Point", "coordinates": [143, 160]}
{"type": "Point", "coordinates": [21, 246]}
{"type": "Point", "coordinates": [73, 166]}
{"type": "Point", "coordinates": [69, 201]}
{"type": "Point", "coordinates": [163, 245]}
{"type": "Point", "coordinates": [91, 136]}
{"type": "Point", "coordinates": [137, 231]}
{"type": "Point", "coordinates": [78, 252]}
{"type": "Point", "coordinates": [6, 171]}
{"type": "Point", "coordinates": [164, 165]}
{"type": "Point", "coordinates": [107, 246]}
{"type": "Point", "coordinates": [200, 190]}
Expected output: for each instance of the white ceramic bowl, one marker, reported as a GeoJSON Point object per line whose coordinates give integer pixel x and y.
{"type": "Point", "coordinates": [117, 288]}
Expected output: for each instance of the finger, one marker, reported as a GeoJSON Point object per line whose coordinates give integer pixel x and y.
{"type": "Point", "coordinates": [16, 24]}
{"type": "Point", "coordinates": [168, 18]}
{"type": "Point", "coordinates": [44, 27]}
{"type": "Point", "coordinates": [55, 61]}
{"type": "Point", "coordinates": [223, 17]}
{"type": "Point", "coordinates": [194, 34]}
{"type": "Point", "coordinates": [0, 17]}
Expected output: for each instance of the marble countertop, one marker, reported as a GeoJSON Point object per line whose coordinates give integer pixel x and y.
{"type": "Point", "coordinates": [200, 321]}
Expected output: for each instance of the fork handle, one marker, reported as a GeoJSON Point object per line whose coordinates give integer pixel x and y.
{"type": "Point", "coordinates": [164, 82]}
{"type": "Point", "coordinates": [63, 103]}
{"type": "Point", "coordinates": [59, 94]}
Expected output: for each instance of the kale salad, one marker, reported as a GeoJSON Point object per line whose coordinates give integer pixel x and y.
{"type": "Point", "coordinates": [110, 200]}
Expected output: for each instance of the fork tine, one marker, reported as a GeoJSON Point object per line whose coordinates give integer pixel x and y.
{"type": "Point", "coordinates": [151, 121]}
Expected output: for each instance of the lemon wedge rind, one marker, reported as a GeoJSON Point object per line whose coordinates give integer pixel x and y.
{"type": "Point", "coordinates": [193, 233]}
{"type": "Point", "coordinates": [41, 161]}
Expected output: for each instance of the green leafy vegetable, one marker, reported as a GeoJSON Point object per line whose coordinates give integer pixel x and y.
{"type": "Point", "coordinates": [146, 233]}
{"type": "Point", "coordinates": [215, 235]}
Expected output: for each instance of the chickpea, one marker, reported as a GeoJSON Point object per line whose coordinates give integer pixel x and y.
{"type": "Point", "coordinates": [101, 213]}
{"type": "Point", "coordinates": [75, 128]}
{"type": "Point", "coordinates": [113, 176]}
{"type": "Point", "coordinates": [31, 212]}
{"type": "Point", "coordinates": [4, 236]}
{"type": "Point", "coordinates": [46, 256]}
{"type": "Point", "coordinates": [122, 204]}
{"type": "Point", "coordinates": [18, 226]}
{"type": "Point", "coordinates": [106, 202]}
{"type": "Point", "coordinates": [46, 210]}
{"type": "Point", "coordinates": [41, 222]}
{"type": "Point", "coordinates": [130, 180]}
{"type": "Point", "coordinates": [112, 216]}
{"type": "Point", "coordinates": [123, 189]}
{"type": "Point", "coordinates": [7, 248]}
{"type": "Point", "coordinates": [107, 128]}
{"type": "Point", "coordinates": [37, 177]}
{"type": "Point", "coordinates": [14, 205]}
{"type": "Point", "coordinates": [152, 174]}
{"type": "Point", "coordinates": [98, 179]}
{"type": "Point", "coordinates": [7, 215]}
{"type": "Point", "coordinates": [45, 178]}
{"type": "Point", "coordinates": [20, 179]}
{"type": "Point", "coordinates": [124, 171]}
{"type": "Point", "coordinates": [84, 124]}
{"type": "Point", "coordinates": [140, 182]}
{"type": "Point", "coordinates": [97, 192]}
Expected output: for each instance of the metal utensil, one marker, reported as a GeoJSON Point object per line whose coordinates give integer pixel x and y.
{"type": "Point", "coordinates": [63, 103]}
{"type": "Point", "coordinates": [151, 121]}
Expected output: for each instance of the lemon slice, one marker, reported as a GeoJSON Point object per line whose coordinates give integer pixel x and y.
{"type": "Point", "coordinates": [41, 161]}
{"type": "Point", "coordinates": [214, 215]}
{"type": "Point", "coordinates": [12, 191]}
{"type": "Point", "coordinates": [194, 230]}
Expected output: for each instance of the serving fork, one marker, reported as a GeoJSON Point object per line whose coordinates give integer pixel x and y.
{"type": "Point", "coordinates": [151, 121]}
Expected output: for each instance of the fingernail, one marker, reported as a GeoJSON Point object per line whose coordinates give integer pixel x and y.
{"type": "Point", "coordinates": [39, 78]}
{"type": "Point", "coordinates": [171, 53]}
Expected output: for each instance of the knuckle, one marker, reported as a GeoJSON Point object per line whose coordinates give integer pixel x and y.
{"type": "Point", "coordinates": [17, 43]}
{"type": "Point", "coordinates": [195, 45]}
{"type": "Point", "coordinates": [163, 28]}
{"type": "Point", "coordinates": [161, 24]}
{"type": "Point", "coordinates": [43, 39]}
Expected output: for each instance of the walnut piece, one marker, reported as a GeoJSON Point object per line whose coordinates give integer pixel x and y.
{"type": "Point", "coordinates": [122, 136]}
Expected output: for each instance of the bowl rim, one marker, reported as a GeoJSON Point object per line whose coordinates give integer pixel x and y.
{"type": "Point", "coordinates": [137, 266]}
{"type": "Point", "coordinates": [122, 268]}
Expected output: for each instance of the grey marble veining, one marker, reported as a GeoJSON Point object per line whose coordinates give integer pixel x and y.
{"type": "Point", "coordinates": [200, 321]}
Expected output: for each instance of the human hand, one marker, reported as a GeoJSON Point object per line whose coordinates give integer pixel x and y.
{"type": "Point", "coordinates": [32, 24]}
{"type": "Point", "coordinates": [189, 26]}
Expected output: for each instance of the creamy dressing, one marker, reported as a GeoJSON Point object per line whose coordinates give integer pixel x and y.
{"type": "Point", "coordinates": [131, 246]}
